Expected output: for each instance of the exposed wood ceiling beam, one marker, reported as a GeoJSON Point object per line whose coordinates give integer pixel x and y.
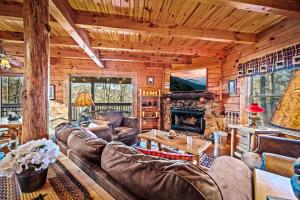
{"type": "Point", "coordinates": [146, 58]}
{"type": "Point", "coordinates": [17, 37]}
{"type": "Point", "coordinates": [289, 8]}
{"type": "Point", "coordinates": [85, 19]}
{"type": "Point", "coordinates": [62, 12]}
{"type": "Point", "coordinates": [150, 58]}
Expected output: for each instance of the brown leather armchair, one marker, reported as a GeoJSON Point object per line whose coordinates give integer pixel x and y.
{"type": "Point", "coordinates": [124, 129]}
{"type": "Point", "coordinates": [276, 153]}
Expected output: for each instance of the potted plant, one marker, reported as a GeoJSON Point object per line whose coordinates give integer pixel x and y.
{"type": "Point", "coordinates": [30, 163]}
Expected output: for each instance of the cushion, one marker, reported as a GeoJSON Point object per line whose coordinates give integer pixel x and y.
{"type": "Point", "coordinates": [233, 177]}
{"type": "Point", "coordinates": [131, 122]}
{"type": "Point", "coordinates": [86, 144]}
{"type": "Point", "coordinates": [277, 164]}
{"type": "Point", "coordinates": [124, 132]}
{"type": "Point", "coordinates": [101, 131]}
{"type": "Point", "coordinates": [295, 180]}
{"type": "Point", "coordinates": [97, 122]}
{"type": "Point", "coordinates": [114, 117]}
{"type": "Point", "coordinates": [252, 160]}
{"type": "Point", "coordinates": [2, 155]}
{"type": "Point", "coordinates": [63, 130]}
{"type": "Point", "coordinates": [170, 156]}
{"type": "Point", "coordinates": [297, 166]}
{"type": "Point", "coordinates": [150, 177]}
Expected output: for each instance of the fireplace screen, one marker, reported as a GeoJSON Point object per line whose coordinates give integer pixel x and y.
{"type": "Point", "coordinates": [188, 119]}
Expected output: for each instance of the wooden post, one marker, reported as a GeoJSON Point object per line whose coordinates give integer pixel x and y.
{"type": "Point", "coordinates": [35, 100]}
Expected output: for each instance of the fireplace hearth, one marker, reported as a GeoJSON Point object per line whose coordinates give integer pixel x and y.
{"type": "Point", "coordinates": [188, 119]}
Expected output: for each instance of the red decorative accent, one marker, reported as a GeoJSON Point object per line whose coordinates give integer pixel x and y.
{"type": "Point", "coordinates": [170, 156]}
{"type": "Point", "coordinates": [255, 108]}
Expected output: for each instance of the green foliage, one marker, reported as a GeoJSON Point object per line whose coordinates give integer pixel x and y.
{"type": "Point", "coordinates": [266, 90]}
{"type": "Point", "coordinates": [105, 92]}
{"type": "Point", "coordinates": [11, 90]}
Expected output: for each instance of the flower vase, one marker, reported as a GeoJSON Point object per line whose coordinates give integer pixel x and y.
{"type": "Point", "coordinates": [30, 181]}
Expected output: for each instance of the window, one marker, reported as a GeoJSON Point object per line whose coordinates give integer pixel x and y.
{"type": "Point", "coordinates": [266, 90]}
{"type": "Point", "coordinates": [108, 93]}
{"type": "Point", "coordinates": [11, 89]}
{"type": "Point", "coordinates": [113, 93]}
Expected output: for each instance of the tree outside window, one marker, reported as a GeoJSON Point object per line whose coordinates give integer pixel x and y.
{"type": "Point", "coordinates": [266, 90]}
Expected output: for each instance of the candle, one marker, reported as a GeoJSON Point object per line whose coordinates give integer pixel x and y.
{"type": "Point", "coordinates": [158, 92]}
{"type": "Point", "coordinates": [143, 114]}
{"type": "Point", "coordinates": [140, 92]}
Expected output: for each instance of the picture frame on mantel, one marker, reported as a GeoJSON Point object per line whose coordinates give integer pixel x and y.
{"type": "Point", "coordinates": [150, 80]}
{"type": "Point", "coordinates": [51, 92]}
{"type": "Point", "coordinates": [231, 87]}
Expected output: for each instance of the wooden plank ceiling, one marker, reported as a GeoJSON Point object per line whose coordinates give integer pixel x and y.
{"type": "Point", "coordinates": [164, 31]}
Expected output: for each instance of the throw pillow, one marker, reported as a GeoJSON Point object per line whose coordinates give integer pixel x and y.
{"type": "Point", "coordinates": [86, 144]}
{"type": "Point", "coordinates": [170, 156]}
{"type": "Point", "coordinates": [295, 180]}
{"type": "Point", "coordinates": [63, 130]}
{"type": "Point", "coordinates": [2, 155]}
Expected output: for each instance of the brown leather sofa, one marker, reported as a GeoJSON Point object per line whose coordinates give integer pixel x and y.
{"type": "Point", "coordinates": [274, 154]}
{"type": "Point", "coordinates": [124, 129]}
{"type": "Point", "coordinates": [127, 174]}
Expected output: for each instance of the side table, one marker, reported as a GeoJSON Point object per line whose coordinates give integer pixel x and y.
{"type": "Point", "coordinates": [243, 138]}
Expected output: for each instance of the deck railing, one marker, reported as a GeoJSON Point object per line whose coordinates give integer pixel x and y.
{"type": "Point", "coordinates": [6, 108]}
{"type": "Point", "coordinates": [102, 107]}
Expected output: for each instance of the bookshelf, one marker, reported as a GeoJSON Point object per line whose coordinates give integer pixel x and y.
{"type": "Point", "coordinates": [150, 107]}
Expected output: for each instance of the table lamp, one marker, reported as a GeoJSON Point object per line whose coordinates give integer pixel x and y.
{"type": "Point", "coordinates": [254, 109]}
{"type": "Point", "coordinates": [83, 99]}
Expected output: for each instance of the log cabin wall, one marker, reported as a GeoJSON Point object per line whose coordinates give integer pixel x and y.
{"type": "Point", "coordinates": [213, 67]}
{"type": "Point", "coordinates": [280, 36]}
{"type": "Point", "coordinates": [60, 71]}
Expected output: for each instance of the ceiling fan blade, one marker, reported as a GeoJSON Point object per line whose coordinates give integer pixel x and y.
{"type": "Point", "coordinates": [15, 62]}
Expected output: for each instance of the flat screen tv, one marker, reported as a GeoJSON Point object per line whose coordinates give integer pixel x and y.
{"type": "Point", "coordinates": [188, 80]}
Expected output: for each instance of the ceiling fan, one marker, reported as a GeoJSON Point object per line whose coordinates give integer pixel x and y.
{"type": "Point", "coordinates": [6, 61]}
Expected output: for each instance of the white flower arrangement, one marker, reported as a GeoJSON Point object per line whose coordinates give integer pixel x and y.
{"type": "Point", "coordinates": [33, 156]}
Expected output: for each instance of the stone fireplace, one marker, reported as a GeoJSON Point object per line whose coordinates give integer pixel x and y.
{"type": "Point", "coordinates": [188, 119]}
{"type": "Point", "coordinates": [197, 112]}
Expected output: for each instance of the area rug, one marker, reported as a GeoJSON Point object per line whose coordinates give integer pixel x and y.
{"type": "Point", "coordinates": [206, 160]}
{"type": "Point", "coordinates": [61, 184]}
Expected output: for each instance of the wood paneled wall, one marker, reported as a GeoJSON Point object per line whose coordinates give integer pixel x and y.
{"type": "Point", "coordinates": [60, 72]}
{"type": "Point", "coordinates": [280, 36]}
{"type": "Point", "coordinates": [214, 73]}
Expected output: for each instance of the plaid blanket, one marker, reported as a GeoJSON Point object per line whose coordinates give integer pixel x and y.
{"type": "Point", "coordinates": [171, 156]}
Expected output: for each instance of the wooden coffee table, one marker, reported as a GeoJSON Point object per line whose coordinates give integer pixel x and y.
{"type": "Point", "coordinates": [196, 148]}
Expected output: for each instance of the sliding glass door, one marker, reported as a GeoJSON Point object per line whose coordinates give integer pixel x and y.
{"type": "Point", "coordinates": [108, 93]}
{"type": "Point", "coordinates": [11, 89]}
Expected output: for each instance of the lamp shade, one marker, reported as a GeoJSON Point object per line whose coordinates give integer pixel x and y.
{"type": "Point", "coordinates": [83, 99]}
{"type": "Point", "coordinates": [255, 108]}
